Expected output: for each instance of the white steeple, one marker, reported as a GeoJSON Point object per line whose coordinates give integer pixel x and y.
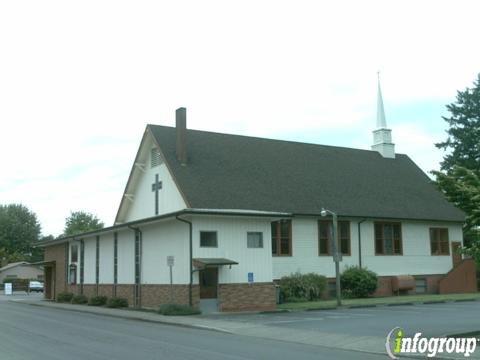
{"type": "Point", "coordinates": [381, 122]}
{"type": "Point", "coordinates": [382, 137]}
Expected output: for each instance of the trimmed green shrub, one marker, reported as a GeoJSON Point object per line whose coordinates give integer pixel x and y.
{"type": "Point", "coordinates": [116, 302]}
{"type": "Point", "coordinates": [97, 301]}
{"type": "Point", "coordinates": [358, 283]}
{"type": "Point", "coordinates": [79, 299]}
{"type": "Point", "coordinates": [176, 309]}
{"type": "Point", "coordinates": [299, 287]}
{"type": "Point", "coordinates": [65, 297]}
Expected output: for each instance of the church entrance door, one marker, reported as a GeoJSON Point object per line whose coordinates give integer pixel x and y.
{"type": "Point", "coordinates": [208, 283]}
{"type": "Point", "coordinates": [208, 279]}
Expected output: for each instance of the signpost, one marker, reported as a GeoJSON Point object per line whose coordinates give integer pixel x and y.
{"type": "Point", "coordinates": [8, 288]}
{"type": "Point", "coordinates": [170, 263]}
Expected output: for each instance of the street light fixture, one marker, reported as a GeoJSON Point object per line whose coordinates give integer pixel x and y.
{"type": "Point", "coordinates": [337, 255]}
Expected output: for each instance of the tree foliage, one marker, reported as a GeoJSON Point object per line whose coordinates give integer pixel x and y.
{"type": "Point", "coordinates": [19, 230]}
{"type": "Point", "coordinates": [463, 140]}
{"type": "Point", "coordinates": [460, 168]}
{"type": "Point", "coordinates": [80, 221]}
{"type": "Point", "coordinates": [462, 187]}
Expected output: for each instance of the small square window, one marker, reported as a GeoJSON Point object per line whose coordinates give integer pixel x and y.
{"type": "Point", "coordinates": [254, 239]}
{"type": "Point", "coordinates": [420, 285]}
{"type": "Point", "coordinates": [208, 239]}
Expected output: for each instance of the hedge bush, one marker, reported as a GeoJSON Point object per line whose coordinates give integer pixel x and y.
{"type": "Point", "coordinates": [97, 301]}
{"type": "Point", "coordinates": [358, 283]}
{"type": "Point", "coordinates": [116, 302]}
{"type": "Point", "coordinates": [176, 309]}
{"type": "Point", "coordinates": [65, 297]}
{"type": "Point", "coordinates": [79, 299]}
{"type": "Point", "coordinates": [302, 287]}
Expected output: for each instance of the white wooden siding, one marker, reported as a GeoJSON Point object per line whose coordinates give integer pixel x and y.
{"type": "Point", "coordinates": [305, 257]}
{"type": "Point", "coordinates": [89, 261]}
{"type": "Point", "coordinates": [167, 238]}
{"type": "Point", "coordinates": [126, 257]}
{"type": "Point", "coordinates": [232, 244]}
{"type": "Point", "coordinates": [106, 259]}
{"type": "Point", "coordinates": [143, 204]}
{"type": "Point", "coordinates": [416, 258]}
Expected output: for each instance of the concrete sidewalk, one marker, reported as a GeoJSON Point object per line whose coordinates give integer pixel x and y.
{"type": "Point", "coordinates": [366, 344]}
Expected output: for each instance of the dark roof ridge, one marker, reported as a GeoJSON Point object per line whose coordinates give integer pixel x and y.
{"type": "Point", "coordinates": [271, 139]}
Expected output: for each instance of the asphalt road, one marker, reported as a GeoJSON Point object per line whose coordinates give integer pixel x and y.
{"type": "Point", "coordinates": [429, 319]}
{"type": "Point", "coordinates": [37, 333]}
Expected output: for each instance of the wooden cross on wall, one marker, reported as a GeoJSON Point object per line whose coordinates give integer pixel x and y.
{"type": "Point", "coordinates": [156, 186]}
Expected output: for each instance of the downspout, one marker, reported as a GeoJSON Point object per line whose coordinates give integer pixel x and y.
{"type": "Point", "coordinates": [360, 243]}
{"type": "Point", "coordinates": [190, 301]}
{"type": "Point", "coordinates": [138, 284]}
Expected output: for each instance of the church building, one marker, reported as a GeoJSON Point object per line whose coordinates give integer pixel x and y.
{"type": "Point", "coordinates": [213, 220]}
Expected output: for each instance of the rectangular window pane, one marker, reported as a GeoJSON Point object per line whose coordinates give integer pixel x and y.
{"type": "Point", "coordinates": [323, 244]}
{"type": "Point", "coordinates": [74, 253]}
{"type": "Point", "coordinates": [285, 246]}
{"type": "Point", "coordinates": [344, 229]}
{"type": "Point", "coordinates": [439, 241]}
{"type": "Point", "coordinates": [323, 237]}
{"type": "Point", "coordinates": [388, 239]}
{"type": "Point", "coordinates": [274, 238]}
{"type": "Point", "coordinates": [323, 229]}
{"type": "Point", "coordinates": [443, 235]}
{"type": "Point", "coordinates": [285, 228]}
{"type": "Point", "coordinates": [444, 248]}
{"type": "Point", "coordinates": [281, 237]}
{"type": "Point", "coordinates": [208, 239]}
{"type": "Point", "coordinates": [434, 246]}
{"type": "Point", "coordinates": [255, 240]}
{"type": "Point", "coordinates": [345, 246]}
{"type": "Point", "coordinates": [397, 247]}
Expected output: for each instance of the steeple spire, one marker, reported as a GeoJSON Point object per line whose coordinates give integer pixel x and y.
{"type": "Point", "coordinates": [381, 122]}
{"type": "Point", "coordinates": [382, 137]}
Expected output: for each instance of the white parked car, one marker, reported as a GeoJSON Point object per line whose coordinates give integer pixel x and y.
{"type": "Point", "coordinates": [36, 286]}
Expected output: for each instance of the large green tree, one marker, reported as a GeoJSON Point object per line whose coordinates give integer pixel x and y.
{"type": "Point", "coordinates": [463, 141]}
{"type": "Point", "coordinates": [460, 168]}
{"type": "Point", "coordinates": [19, 230]}
{"type": "Point", "coordinates": [81, 221]}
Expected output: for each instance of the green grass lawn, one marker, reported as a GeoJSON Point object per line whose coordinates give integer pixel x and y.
{"type": "Point", "coordinates": [331, 304]}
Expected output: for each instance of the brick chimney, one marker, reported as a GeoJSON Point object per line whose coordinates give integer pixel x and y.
{"type": "Point", "coordinates": [181, 126]}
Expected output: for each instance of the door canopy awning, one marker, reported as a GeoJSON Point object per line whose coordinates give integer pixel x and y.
{"type": "Point", "coordinates": [202, 263]}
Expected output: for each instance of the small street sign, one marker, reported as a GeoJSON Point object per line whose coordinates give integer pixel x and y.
{"type": "Point", "coordinates": [170, 260]}
{"type": "Point", "coordinates": [8, 288]}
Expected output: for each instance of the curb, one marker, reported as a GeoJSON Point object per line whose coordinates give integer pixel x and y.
{"type": "Point", "coordinates": [429, 302]}
{"type": "Point", "coordinates": [401, 304]}
{"type": "Point", "coordinates": [280, 311]}
{"type": "Point", "coordinates": [124, 317]}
